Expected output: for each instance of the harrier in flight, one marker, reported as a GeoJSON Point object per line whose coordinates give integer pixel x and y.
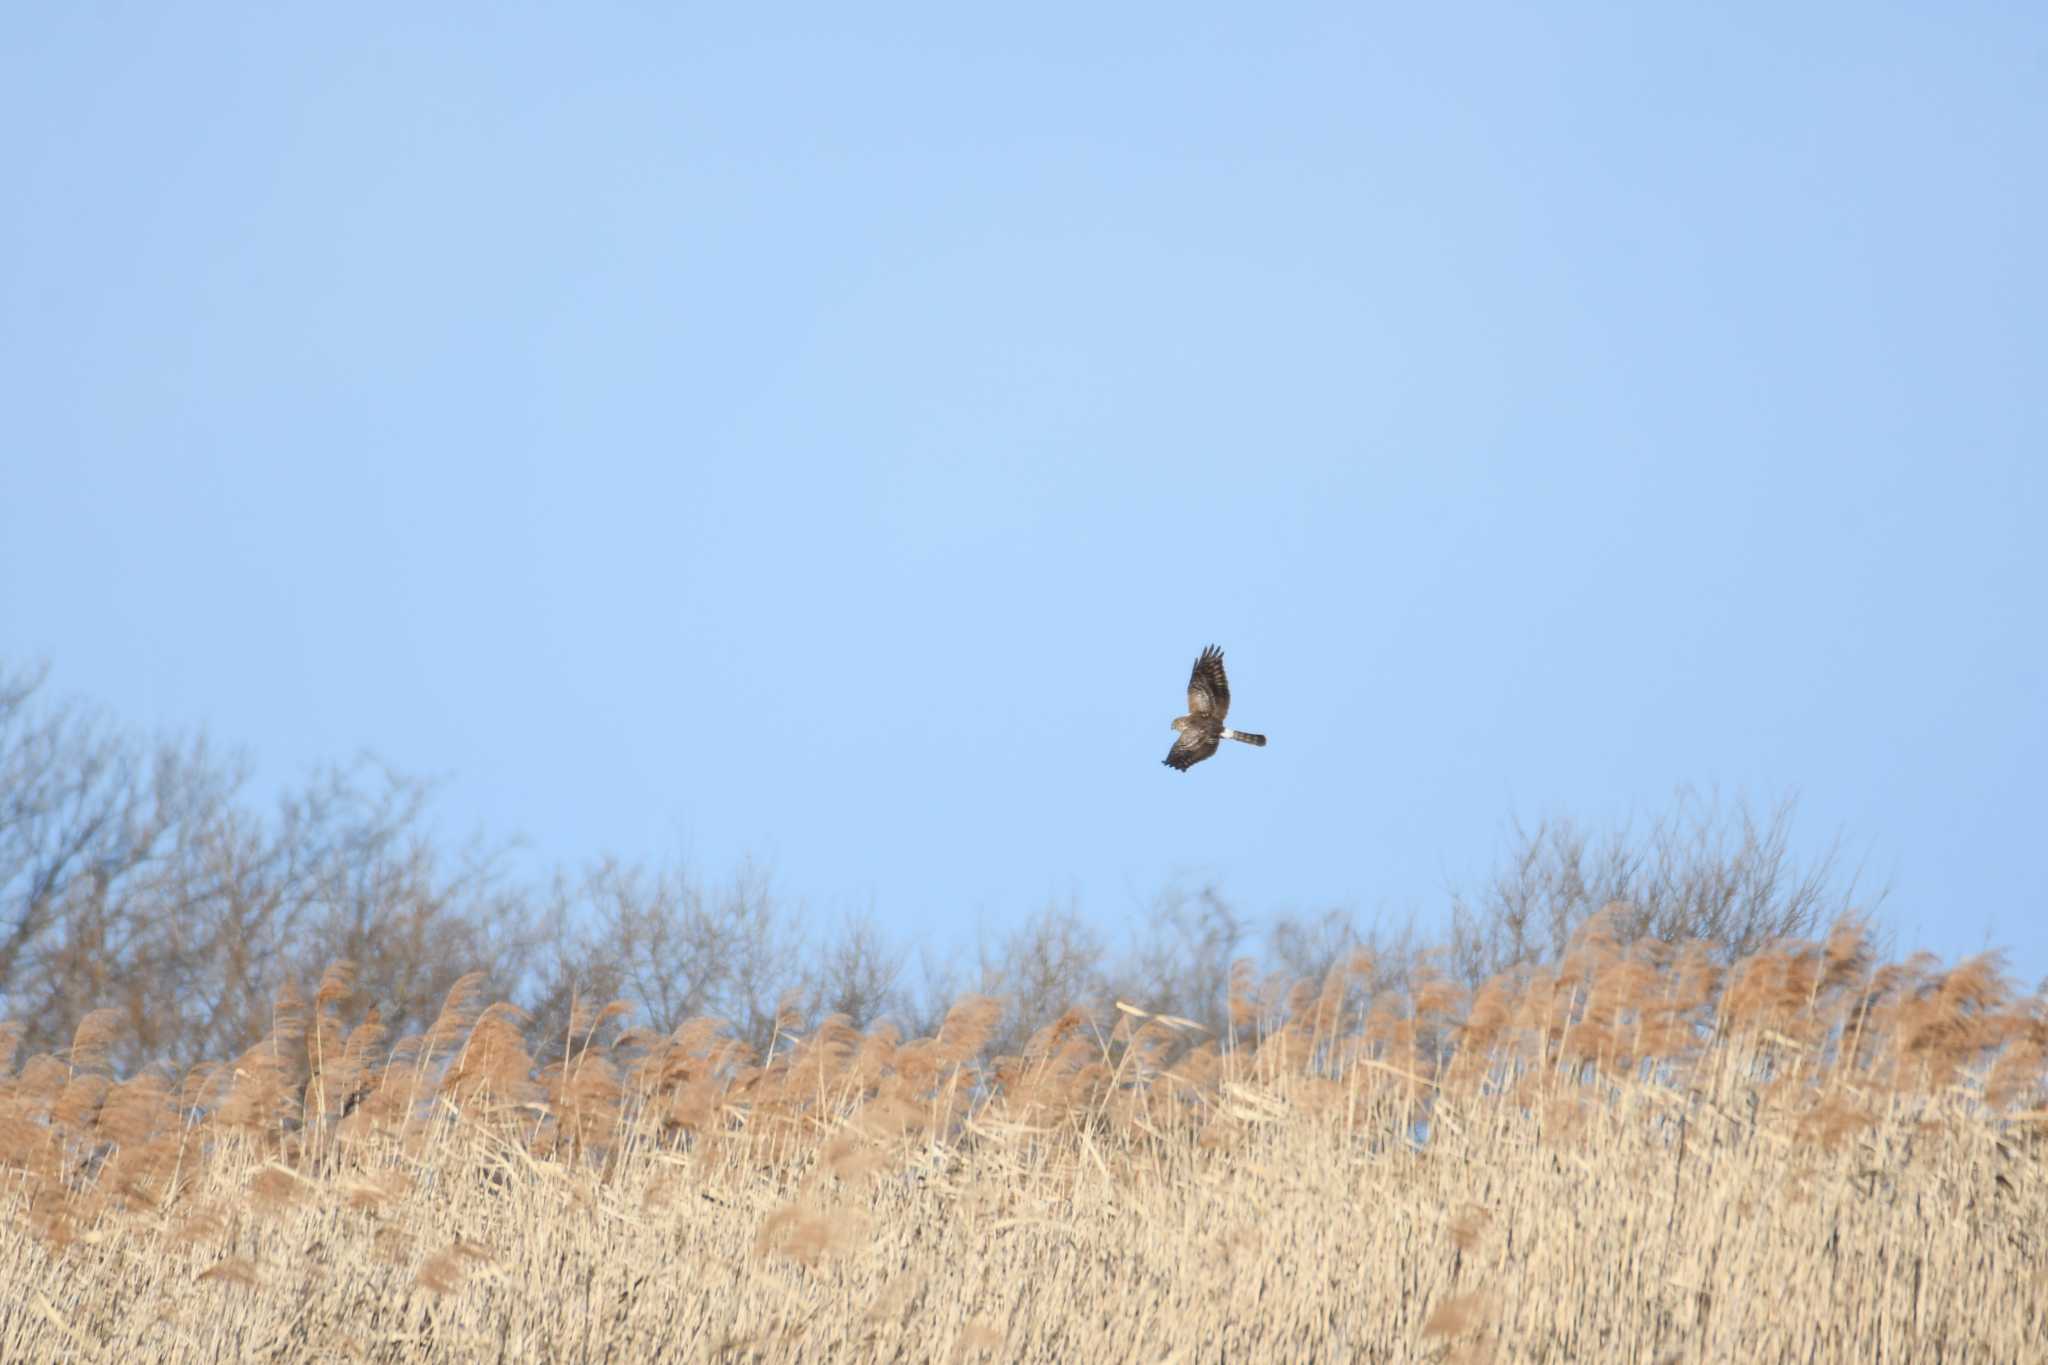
{"type": "Point", "coordinates": [1202, 729]}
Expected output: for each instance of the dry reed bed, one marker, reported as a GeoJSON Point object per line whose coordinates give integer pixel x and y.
{"type": "Point", "coordinates": [1634, 1157]}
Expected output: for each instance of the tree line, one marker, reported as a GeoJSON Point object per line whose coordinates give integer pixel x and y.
{"type": "Point", "coordinates": [138, 874]}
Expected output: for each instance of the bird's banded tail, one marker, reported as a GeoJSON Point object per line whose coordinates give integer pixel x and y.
{"type": "Point", "coordinates": [1259, 740]}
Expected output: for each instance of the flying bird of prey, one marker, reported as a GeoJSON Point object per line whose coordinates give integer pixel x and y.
{"type": "Point", "coordinates": [1202, 730]}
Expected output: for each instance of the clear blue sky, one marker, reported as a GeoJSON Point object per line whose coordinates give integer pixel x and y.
{"type": "Point", "coordinates": [831, 435]}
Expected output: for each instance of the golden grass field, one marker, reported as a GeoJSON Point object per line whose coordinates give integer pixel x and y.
{"type": "Point", "coordinates": [1634, 1157]}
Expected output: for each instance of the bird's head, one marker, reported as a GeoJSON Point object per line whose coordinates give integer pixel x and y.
{"type": "Point", "coordinates": [1180, 722]}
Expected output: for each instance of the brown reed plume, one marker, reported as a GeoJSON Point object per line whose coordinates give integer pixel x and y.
{"type": "Point", "coordinates": [1632, 1154]}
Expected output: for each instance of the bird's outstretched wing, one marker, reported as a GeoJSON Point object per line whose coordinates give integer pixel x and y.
{"type": "Point", "coordinates": [1208, 689]}
{"type": "Point", "coordinates": [1194, 745]}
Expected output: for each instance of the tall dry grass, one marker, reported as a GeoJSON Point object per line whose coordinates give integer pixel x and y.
{"type": "Point", "coordinates": [1635, 1156]}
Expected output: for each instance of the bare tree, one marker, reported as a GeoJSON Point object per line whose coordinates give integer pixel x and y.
{"type": "Point", "coordinates": [673, 949]}
{"type": "Point", "coordinates": [921, 1006]}
{"type": "Point", "coordinates": [370, 885]}
{"type": "Point", "coordinates": [1308, 948]}
{"type": "Point", "coordinates": [854, 972]}
{"type": "Point", "coordinates": [1180, 961]}
{"type": "Point", "coordinates": [763, 956]}
{"type": "Point", "coordinates": [1052, 961]}
{"type": "Point", "coordinates": [134, 874]}
{"type": "Point", "coordinates": [96, 828]}
{"type": "Point", "coordinates": [1727, 876]}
